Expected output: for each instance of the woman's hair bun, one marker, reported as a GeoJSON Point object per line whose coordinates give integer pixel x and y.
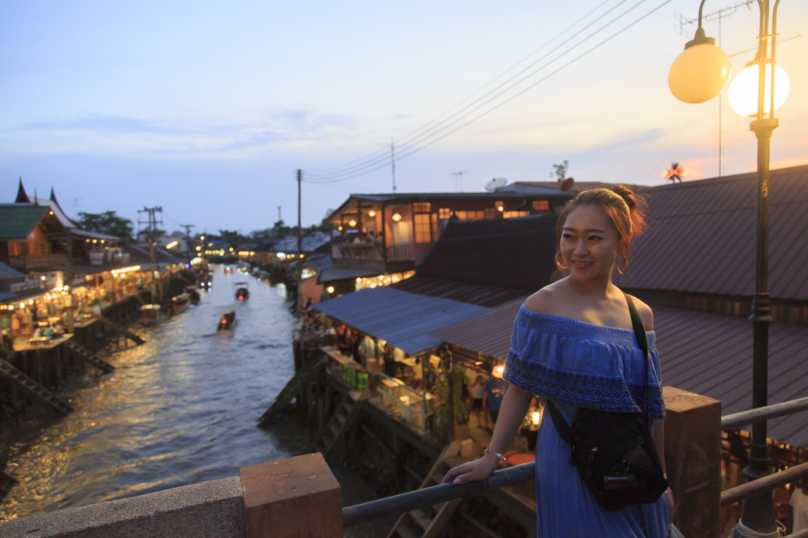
{"type": "Point", "coordinates": [636, 206]}
{"type": "Point", "coordinates": [626, 194]}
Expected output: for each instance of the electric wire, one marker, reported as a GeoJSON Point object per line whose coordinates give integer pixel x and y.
{"type": "Point", "coordinates": [412, 150]}
{"type": "Point", "coordinates": [383, 153]}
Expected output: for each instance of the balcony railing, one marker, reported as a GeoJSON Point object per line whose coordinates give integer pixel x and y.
{"type": "Point", "coordinates": [359, 251]}
{"type": "Point", "coordinates": [38, 261]}
{"type": "Point", "coordinates": [422, 498]}
{"type": "Point", "coordinates": [399, 252]}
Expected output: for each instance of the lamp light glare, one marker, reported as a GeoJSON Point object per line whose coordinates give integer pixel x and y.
{"type": "Point", "coordinates": [330, 289]}
{"type": "Point", "coordinates": [352, 223]}
{"type": "Point", "coordinates": [536, 417]}
{"type": "Point", "coordinates": [396, 217]}
{"type": "Point", "coordinates": [743, 92]}
{"type": "Point", "coordinates": [371, 213]}
{"type": "Point", "coordinates": [700, 73]}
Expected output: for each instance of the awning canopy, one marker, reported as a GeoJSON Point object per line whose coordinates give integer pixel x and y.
{"type": "Point", "coordinates": [332, 274]}
{"type": "Point", "coordinates": [403, 319]}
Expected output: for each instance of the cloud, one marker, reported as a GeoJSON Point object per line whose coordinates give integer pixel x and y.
{"type": "Point", "coordinates": [101, 134]}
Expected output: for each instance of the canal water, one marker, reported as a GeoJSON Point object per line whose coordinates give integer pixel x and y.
{"type": "Point", "coordinates": [178, 410]}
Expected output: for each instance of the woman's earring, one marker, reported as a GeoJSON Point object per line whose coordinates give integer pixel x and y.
{"type": "Point", "coordinates": [618, 266]}
{"type": "Point", "coordinates": [558, 261]}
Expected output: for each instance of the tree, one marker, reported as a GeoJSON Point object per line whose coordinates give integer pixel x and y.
{"type": "Point", "coordinates": [560, 171]}
{"type": "Point", "coordinates": [232, 237]}
{"type": "Point", "coordinates": [675, 173]}
{"type": "Point", "coordinates": [107, 223]}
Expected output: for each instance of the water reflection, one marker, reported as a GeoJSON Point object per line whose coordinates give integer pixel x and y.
{"type": "Point", "coordinates": [179, 409]}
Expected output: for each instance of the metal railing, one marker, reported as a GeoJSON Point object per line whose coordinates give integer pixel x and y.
{"type": "Point", "coordinates": [397, 504]}
{"type": "Point", "coordinates": [745, 418]}
{"type": "Point", "coordinates": [362, 513]}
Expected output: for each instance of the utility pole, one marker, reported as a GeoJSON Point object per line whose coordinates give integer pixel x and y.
{"type": "Point", "coordinates": [393, 163]}
{"type": "Point", "coordinates": [187, 240]}
{"type": "Point", "coordinates": [152, 229]}
{"type": "Point", "coordinates": [299, 229]}
{"type": "Point", "coordinates": [279, 214]}
{"type": "Point", "coordinates": [69, 281]}
{"type": "Point", "coordinates": [459, 180]}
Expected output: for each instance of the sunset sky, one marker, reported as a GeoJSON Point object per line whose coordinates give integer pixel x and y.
{"type": "Point", "coordinates": [208, 108]}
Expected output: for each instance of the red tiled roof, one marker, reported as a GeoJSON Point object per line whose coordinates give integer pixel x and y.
{"type": "Point", "coordinates": [708, 354]}
{"type": "Point", "coordinates": [702, 237]}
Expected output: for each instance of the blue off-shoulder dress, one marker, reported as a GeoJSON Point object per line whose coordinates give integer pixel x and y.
{"type": "Point", "coordinates": [577, 364]}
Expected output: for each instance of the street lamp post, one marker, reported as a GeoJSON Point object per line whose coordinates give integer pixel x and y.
{"type": "Point", "coordinates": [693, 78]}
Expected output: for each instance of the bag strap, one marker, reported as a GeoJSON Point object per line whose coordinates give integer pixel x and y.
{"type": "Point", "coordinates": [642, 341]}
{"type": "Point", "coordinates": [560, 424]}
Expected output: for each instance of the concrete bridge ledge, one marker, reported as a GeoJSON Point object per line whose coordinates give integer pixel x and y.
{"type": "Point", "coordinates": [209, 509]}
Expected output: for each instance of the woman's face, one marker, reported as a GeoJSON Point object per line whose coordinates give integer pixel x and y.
{"type": "Point", "coordinates": [590, 243]}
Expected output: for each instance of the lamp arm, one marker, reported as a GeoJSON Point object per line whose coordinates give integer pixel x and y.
{"type": "Point", "coordinates": [701, 9]}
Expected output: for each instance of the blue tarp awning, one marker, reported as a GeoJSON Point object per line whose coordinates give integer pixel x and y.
{"type": "Point", "coordinates": [401, 318]}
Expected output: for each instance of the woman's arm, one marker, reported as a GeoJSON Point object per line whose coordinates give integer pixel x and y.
{"type": "Point", "coordinates": [659, 442]}
{"type": "Point", "coordinates": [514, 406]}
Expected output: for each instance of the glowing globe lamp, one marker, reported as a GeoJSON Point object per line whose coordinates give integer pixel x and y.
{"type": "Point", "coordinates": [701, 72]}
{"type": "Point", "coordinates": [743, 93]}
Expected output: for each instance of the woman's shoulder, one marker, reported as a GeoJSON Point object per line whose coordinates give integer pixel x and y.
{"type": "Point", "coordinates": [544, 301]}
{"type": "Point", "coordinates": [645, 312]}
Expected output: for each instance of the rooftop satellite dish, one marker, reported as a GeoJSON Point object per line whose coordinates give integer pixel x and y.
{"type": "Point", "coordinates": [495, 184]}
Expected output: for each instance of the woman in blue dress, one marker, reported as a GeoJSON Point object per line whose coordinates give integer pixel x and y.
{"type": "Point", "coordinates": [573, 344]}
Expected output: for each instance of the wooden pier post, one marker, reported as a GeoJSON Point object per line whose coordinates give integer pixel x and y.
{"type": "Point", "coordinates": [296, 497]}
{"type": "Point", "coordinates": [693, 460]}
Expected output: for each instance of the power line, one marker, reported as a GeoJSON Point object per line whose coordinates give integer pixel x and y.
{"type": "Point", "coordinates": [377, 153]}
{"type": "Point", "coordinates": [507, 100]}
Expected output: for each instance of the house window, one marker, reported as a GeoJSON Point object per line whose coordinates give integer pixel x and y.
{"type": "Point", "coordinates": [445, 213]}
{"type": "Point", "coordinates": [461, 215]}
{"type": "Point", "coordinates": [489, 213]}
{"type": "Point", "coordinates": [512, 214]}
{"type": "Point", "coordinates": [541, 205]}
{"type": "Point", "coordinates": [435, 226]}
{"type": "Point", "coordinates": [422, 232]}
{"type": "Point", "coordinates": [421, 207]}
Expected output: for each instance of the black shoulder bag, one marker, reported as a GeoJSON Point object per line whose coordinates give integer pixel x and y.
{"type": "Point", "coordinates": [614, 452]}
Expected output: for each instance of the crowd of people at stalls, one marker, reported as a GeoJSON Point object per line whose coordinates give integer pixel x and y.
{"type": "Point", "coordinates": [46, 316]}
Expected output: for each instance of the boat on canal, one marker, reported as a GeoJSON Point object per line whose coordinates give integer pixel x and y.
{"type": "Point", "coordinates": [227, 322]}
{"type": "Point", "coordinates": [180, 303]}
{"type": "Point", "coordinates": [242, 291]}
{"type": "Point", "coordinates": [150, 314]}
{"type": "Point", "coordinates": [193, 294]}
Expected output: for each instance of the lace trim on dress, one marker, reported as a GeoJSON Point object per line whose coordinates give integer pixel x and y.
{"type": "Point", "coordinates": [583, 390]}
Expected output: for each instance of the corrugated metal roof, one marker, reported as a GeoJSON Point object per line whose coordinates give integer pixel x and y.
{"type": "Point", "coordinates": [8, 272]}
{"type": "Point", "coordinates": [507, 253]}
{"type": "Point", "coordinates": [403, 319]}
{"type": "Point", "coordinates": [489, 296]}
{"type": "Point", "coordinates": [702, 237]}
{"type": "Point", "coordinates": [17, 221]}
{"type": "Point", "coordinates": [331, 274]}
{"type": "Point", "coordinates": [708, 354]}
{"type": "Point", "coordinates": [711, 354]}
{"type": "Point", "coordinates": [488, 333]}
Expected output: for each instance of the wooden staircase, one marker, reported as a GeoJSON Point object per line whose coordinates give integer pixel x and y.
{"type": "Point", "coordinates": [428, 522]}
{"type": "Point", "coordinates": [89, 356]}
{"type": "Point", "coordinates": [340, 422]}
{"type": "Point", "coordinates": [291, 390]}
{"type": "Point", "coordinates": [34, 389]}
{"type": "Point", "coordinates": [121, 330]}
{"type": "Point", "coordinates": [6, 483]}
